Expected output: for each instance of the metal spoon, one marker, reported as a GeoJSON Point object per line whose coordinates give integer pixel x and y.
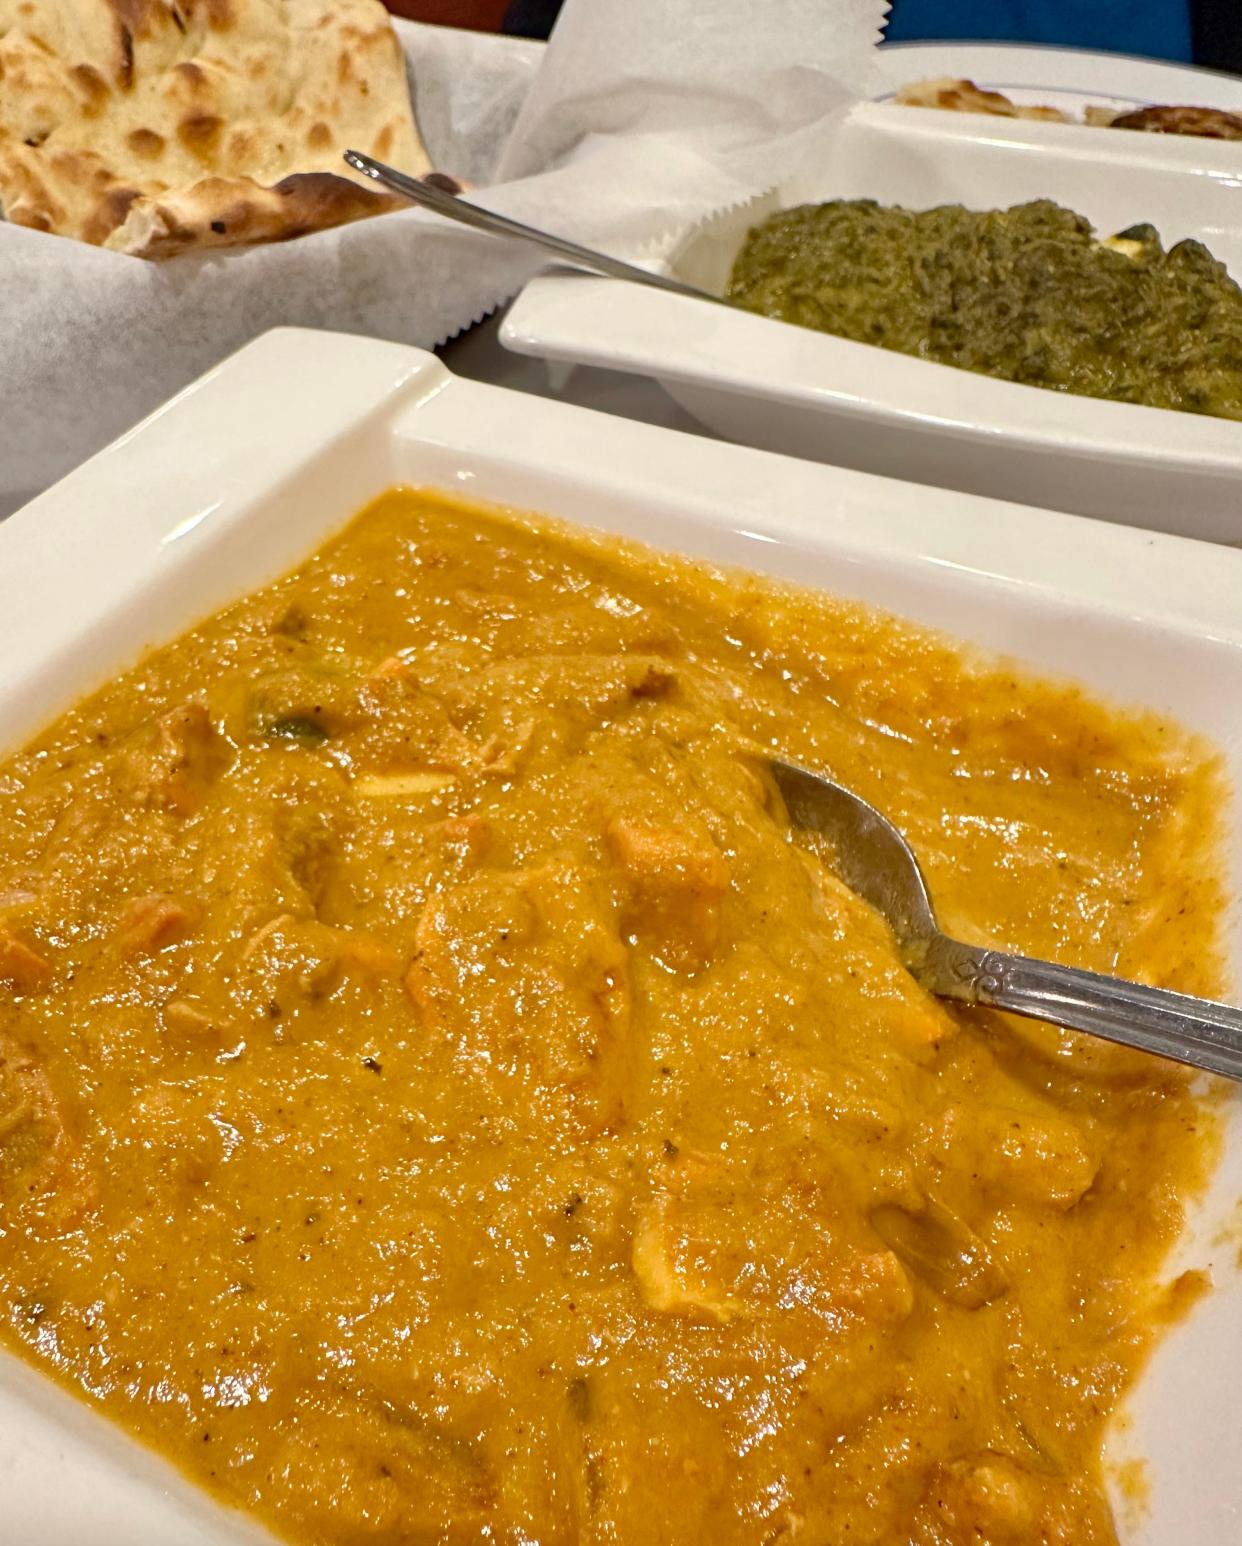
{"type": "Point", "coordinates": [874, 860]}
{"type": "Point", "coordinates": [444, 202]}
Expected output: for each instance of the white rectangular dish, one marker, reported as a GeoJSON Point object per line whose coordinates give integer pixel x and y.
{"type": "Point", "coordinates": [248, 471]}
{"type": "Point", "coordinates": [814, 395]}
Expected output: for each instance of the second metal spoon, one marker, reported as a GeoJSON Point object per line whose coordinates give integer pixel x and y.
{"type": "Point", "coordinates": [443, 202]}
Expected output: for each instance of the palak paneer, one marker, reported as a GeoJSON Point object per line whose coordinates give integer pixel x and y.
{"type": "Point", "coordinates": [1027, 294]}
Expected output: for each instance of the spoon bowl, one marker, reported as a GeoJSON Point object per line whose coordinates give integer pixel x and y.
{"type": "Point", "coordinates": [874, 860]}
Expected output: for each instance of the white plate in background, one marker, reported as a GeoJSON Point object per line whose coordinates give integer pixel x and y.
{"type": "Point", "coordinates": [1069, 78]}
{"type": "Point", "coordinates": [248, 471]}
{"type": "Point", "coordinates": [830, 399]}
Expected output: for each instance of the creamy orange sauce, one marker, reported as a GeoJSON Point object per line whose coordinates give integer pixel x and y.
{"type": "Point", "coordinates": [440, 1101]}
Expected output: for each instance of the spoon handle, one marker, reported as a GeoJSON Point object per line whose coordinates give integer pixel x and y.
{"type": "Point", "coordinates": [1173, 1025]}
{"type": "Point", "coordinates": [442, 202]}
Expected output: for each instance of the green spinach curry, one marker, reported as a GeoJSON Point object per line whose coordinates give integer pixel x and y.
{"type": "Point", "coordinates": [1026, 294]}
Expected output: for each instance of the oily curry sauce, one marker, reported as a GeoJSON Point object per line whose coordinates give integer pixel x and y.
{"type": "Point", "coordinates": [440, 1101]}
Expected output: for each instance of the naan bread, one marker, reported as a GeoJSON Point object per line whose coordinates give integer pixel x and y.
{"type": "Point", "coordinates": [155, 127]}
{"type": "Point", "coordinates": [956, 96]}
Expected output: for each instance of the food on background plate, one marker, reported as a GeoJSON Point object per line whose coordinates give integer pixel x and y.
{"type": "Point", "coordinates": [1206, 122]}
{"type": "Point", "coordinates": [157, 127]}
{"type": "Point", "coordinates": [441, 1099]}
{"type": "Point", "coordinates": [963, 96]}
{"type": "Point", "coordinates": [1026, 294]}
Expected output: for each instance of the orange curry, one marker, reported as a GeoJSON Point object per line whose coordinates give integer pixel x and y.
{"type": "Point", "coordinates": [441, 1101]}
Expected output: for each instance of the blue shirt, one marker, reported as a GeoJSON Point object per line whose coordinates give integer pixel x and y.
{"type": "Point", "coordinates": [1160, 28]}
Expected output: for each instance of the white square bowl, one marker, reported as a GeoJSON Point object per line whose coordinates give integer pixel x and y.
{"type": "Point", "coordinates": [831, 399]}
{"type": "Point", "coordinates": [248, 471]}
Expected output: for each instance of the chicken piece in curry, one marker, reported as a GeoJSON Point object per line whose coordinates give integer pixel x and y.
{"type": "Point", "coordinates": [441, 1101]}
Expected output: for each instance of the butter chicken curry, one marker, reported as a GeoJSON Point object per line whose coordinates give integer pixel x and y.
{"type": "Point", "coordinates": [441, 1101]}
